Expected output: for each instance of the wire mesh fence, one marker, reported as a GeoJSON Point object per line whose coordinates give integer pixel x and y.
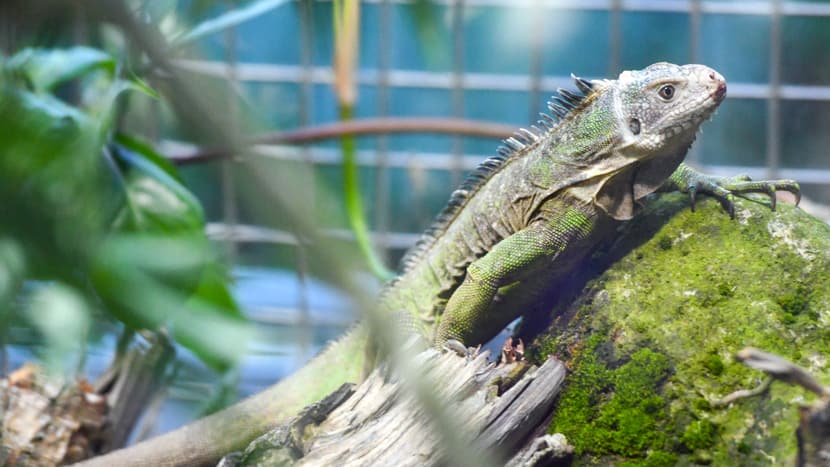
{"type": "Point", "coordinates": [497, 60]}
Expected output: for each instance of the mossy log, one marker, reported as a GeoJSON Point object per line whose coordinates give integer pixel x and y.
{"type": "Point", "coordinates": [651, 341]}
{"type": "Point", "coordinates": [384, 422]}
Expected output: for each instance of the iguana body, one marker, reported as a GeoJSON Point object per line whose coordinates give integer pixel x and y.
{"type": "Point", "coordinates": [514, 229]}
{"type": "Point", "coordinates": [527, 216]}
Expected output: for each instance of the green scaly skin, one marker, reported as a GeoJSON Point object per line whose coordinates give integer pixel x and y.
{"type": "Point", "coordinates": [508, 236]}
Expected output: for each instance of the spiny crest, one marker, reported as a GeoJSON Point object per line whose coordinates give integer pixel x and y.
{"type": "Point", "coordinates": [560, 106]}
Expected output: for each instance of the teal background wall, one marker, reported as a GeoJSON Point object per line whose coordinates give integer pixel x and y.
{"type": "Point", "coordinates": [499, 60]}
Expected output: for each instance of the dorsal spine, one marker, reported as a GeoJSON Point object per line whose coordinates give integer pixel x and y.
{"type": "Point", "coordinates": [562, 106]}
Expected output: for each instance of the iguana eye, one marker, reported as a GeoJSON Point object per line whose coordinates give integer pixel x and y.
{"type": "Point", "coordinates": [666, 92]}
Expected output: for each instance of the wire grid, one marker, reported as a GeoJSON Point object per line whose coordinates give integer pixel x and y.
{"type": "Point", "coordinates": [384, 78]}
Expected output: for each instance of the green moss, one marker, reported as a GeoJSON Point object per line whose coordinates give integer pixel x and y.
{"type": "Point", "coordinates": [701, 405]}
{"type": "Point", "coordinates": [660, 459]}
{"type": "Point", "coordinates": [541, 348]}
{"type": "Point", "coordinates": [609, 410]}
{"type": "Point", "coordinates": [700, 434]}
{"type": "Point", "coordinates": [793, 303]}
{"type": "Point", "coordinates": [655, 351]}
{"type": "Point", "coordinates": [578, 405]}
{"type": "Point", "coordinates": [726, 290]}
{"type": "Point", "coordinates": [713, 364]}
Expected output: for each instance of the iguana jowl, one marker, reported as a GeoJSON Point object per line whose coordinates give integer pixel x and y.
{"type": "Point", "coordinates": [510, 233]}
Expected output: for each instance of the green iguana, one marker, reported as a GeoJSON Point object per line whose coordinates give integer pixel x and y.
{"type": "Point", "coordinates": [516, 226]}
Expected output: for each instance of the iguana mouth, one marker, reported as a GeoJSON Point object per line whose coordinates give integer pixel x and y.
{"type": "Point", "coordinates": [685, 126]}
{"type": "Point", "coordinates": [720, 93]}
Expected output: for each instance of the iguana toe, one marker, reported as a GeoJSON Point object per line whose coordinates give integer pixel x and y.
{"type": "Point", "coordinates": [767, 187]}
{"type": "Point", "coordinates": [725, 189]}
{"type": "Point", "coordinates": [457, 347]}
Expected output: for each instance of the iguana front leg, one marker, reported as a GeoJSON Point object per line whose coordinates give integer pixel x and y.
{"type": "Point", "coordinates": [468, 313]}
{"type": "Point", "coordinates": [688, 180]}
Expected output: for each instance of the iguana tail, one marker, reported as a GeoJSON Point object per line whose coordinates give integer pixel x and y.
{"type": "Point", "coordinates": [206, 440]}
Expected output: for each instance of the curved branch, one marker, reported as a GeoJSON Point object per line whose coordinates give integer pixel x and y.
{"type": "Point", "coordinates": [369, 126]}
{"type": "Point", "coordinates": [781, 369]}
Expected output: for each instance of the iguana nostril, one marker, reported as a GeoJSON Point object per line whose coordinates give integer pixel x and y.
{"type": "Point", "coordinates": [721, 91]}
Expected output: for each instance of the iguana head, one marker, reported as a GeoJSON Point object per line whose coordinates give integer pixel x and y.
{"type": "Point", "coordinates": [657, 112]}
{"type": "Point", "coordinates": [661, 107]}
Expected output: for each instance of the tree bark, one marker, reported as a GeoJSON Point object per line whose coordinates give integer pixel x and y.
{"type": "Point", "coordinates": [383, 423]}
{"type": "Point", "coordinates": [49, 421]}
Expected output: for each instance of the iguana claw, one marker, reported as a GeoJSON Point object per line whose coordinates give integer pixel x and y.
{"type": "Point", "coordinates": [724, 189]}
{"type": "Point", "coordinates": [460, 349]}
{"type": "Point", "coordinates": [456, 346]}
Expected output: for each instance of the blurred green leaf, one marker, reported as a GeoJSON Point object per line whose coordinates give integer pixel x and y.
{"type": "Point", "coordinates": [142, 86]}
{"type": "Point", "coordinates": [162, 250]}
{"type": "Point", "coordinates": [62, 316]}
{"type": "Point", "coordinates": [46, 68]}
{"type": "Point", "coordinates": [149, 152]}
{"type": "Point", "coordinates": [218, 339]}
{"type": "Point", "coordinates": [112, 224]}
{"type": "Point", "coordinates": [156, 201]}
{"type": "Point", "coordinates": [157, 280]}
{"type": "Point", "coordinates": [228, 20]}
{"type": "Point", "coordinates": [432, 36]}
{"type": "Point", "coordinates": [52, 196]}
{"type": "Point", "coordinates": [174, 260]}
{"type": "Point", "coordinates": [213, 289]}
{"type": "Point", "coordinates": [12, 270]}
{"type": "Point", "coordinates": [98, 101]}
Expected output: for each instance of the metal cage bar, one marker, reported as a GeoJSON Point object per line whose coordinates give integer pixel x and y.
{"type": "Point", "coordinates": [458, 81]}
{"type": "Point", "coordinates": [382, 178]}
{"type": "Point", "coordinates": [773, 156]}
{"type": "Point", "coordinates": [472, 81]}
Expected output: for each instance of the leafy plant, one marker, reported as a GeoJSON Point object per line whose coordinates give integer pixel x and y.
{"type": "Point", "coordinates": [100, 219]}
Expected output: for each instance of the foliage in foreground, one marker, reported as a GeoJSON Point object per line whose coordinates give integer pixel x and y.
{"type": "Point", "coordinates": [95, 223]}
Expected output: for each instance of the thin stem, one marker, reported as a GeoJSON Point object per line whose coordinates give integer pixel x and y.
{"type": "Point", "coordinates": [354, 202]}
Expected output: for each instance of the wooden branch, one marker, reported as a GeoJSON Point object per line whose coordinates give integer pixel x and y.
{"type": "Point", "coordinates": [781, 369]}
{"type": "Point", "coordinates": [813, 432]}
{"type": "Point", "coordinates": [369, 126]}
{"type": "Point", "coordinates": [46, 421]}
{"type": "Point", "coordinates": [813, 435]}
{"type": "Point", "coordinates": [382, 423]}
{"type": "Point", "coordinates": [743, 394]}
{"type": "Point", "coordinates": [131, 382]}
